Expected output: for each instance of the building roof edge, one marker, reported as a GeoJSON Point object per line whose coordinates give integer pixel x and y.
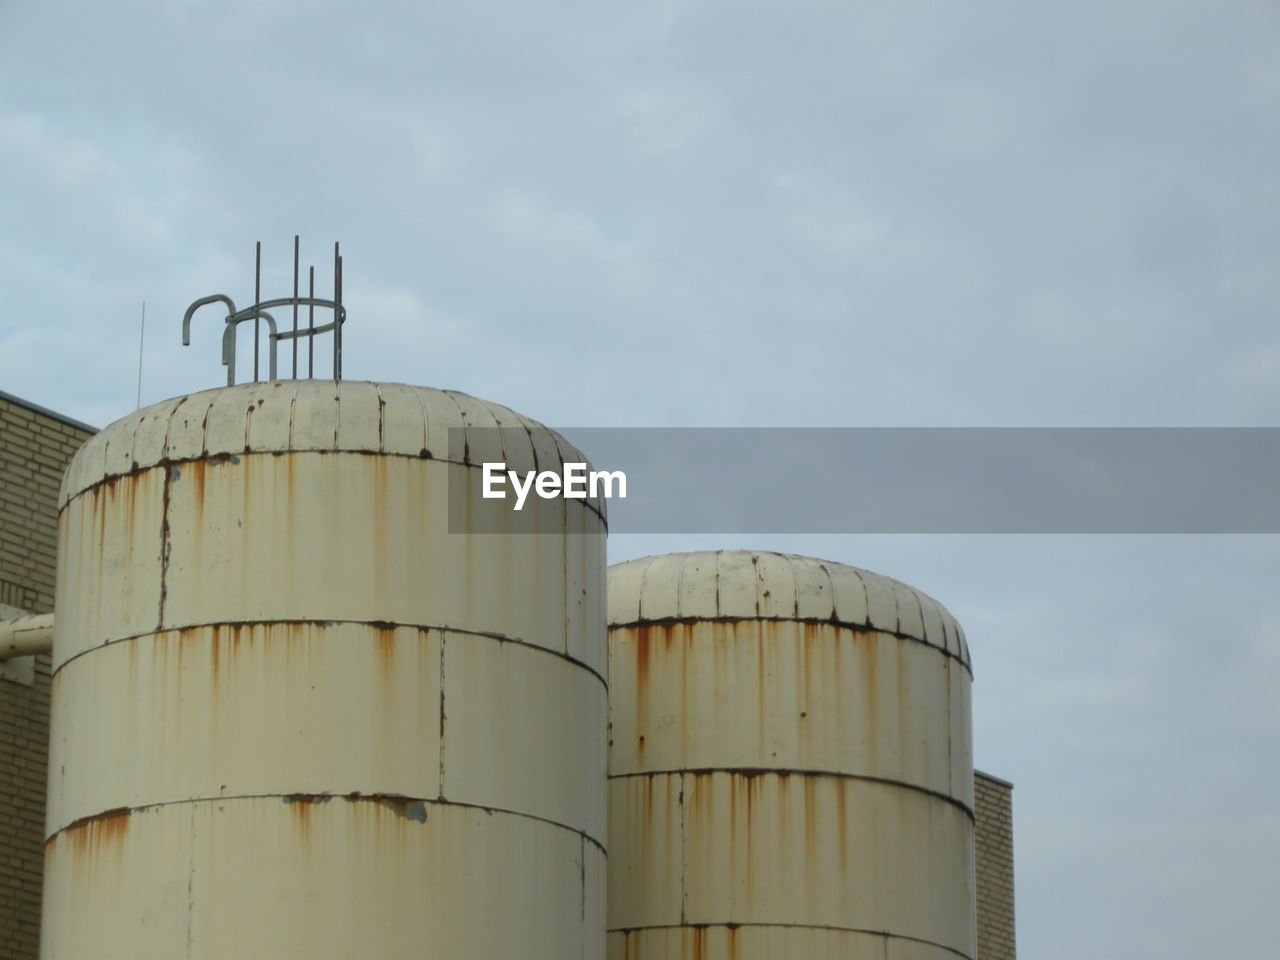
{"type": "Point", "coordinates": [993, 779]}
{"type": "Point", "coordinates": [45, 411]}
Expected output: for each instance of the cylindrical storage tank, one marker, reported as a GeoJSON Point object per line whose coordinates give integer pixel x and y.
{"type": "Point", "coordinates": [293, 715]}
{"type": "Point", "coordinates": [790, 764]}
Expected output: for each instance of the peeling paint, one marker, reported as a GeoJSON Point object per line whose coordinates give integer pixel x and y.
{"type": "Point", "coordinates": [406, 807]}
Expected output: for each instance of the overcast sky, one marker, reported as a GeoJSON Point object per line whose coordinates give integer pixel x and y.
{"type": "Point", "coordinates": [801, 213]}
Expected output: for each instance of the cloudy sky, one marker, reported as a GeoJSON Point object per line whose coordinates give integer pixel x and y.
{"type": "Point", "coordinates": [753, 213]}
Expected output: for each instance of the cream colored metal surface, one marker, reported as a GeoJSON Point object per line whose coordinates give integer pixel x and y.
{"type": "Point", "coordinates": [224, 511]}
{"type": "Point", "coordinates": [766, 943]}
{"type": "Point", "coordinates": [275, 878]}
{"type": "Point", "coordinates": [294, 716]}
{"type": "Point", "coordinates": [790, 765]}
{"type": "Point", "coordinates": [802, 687]}
{"type": "Point", "coordinates": [26, 635]}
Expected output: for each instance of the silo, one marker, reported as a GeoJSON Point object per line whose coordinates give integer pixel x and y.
{"type": "Point", "coordinates": [295, 716]}
{"type": "Point", "coordinates": [790, 764]}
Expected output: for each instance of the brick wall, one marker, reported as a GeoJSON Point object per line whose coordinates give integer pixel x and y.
{"type": "Point", "coordinates": [35, 447]}
{"type": "Point", "coordinates": [993, 842]}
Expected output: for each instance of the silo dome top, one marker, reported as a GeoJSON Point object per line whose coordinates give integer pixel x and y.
{"type": "Point", "coordinates": [279, 416]}
{"type": "Point", "coordinates": [751, 585]}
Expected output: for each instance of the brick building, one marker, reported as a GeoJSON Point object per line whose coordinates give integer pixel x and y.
{"type": "Point", "coordinates": [35, 447]}
{"type": "Point", "coordinates": [993, 865]}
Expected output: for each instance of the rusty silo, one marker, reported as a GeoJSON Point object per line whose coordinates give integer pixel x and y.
{"type": "Point", "coordinates": [293, 716]}
{"type": "Point", "coordinates": [790, 764]}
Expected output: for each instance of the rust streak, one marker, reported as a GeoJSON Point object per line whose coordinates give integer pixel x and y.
{"type": "Point", "coordinates": [642, 640]}
{"type": "Point", "coordinates": [384, 634]}
{"type": "Point", "coordinates": [187, 637]}
{"type": "Point", "coordinates": [762, 686]}
{"type": "Point", "coordinates": [301, 803]}
{"type": "Point", "coordinates": [89, 835]}
{"type": "Point", "coordinates": [810, 818]}
{"type": "Point", "coordinates": [197, 468]}
{"type": "Point", "coordinates": [647, 814]}
{"type": "Point", "coordinates": [869, 647]}
{"type": "Point", "coordinates": [644, 645]}
{"type": "Point", "coordinates": [99, 545]}
{"type": "Point", "coordinates": [842, 825]}
{"type": "Point", "coordinates": [382, 516]}
{"type": "Point", "coordinates": [132, 506]}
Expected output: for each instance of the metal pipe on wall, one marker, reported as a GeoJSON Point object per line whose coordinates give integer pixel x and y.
{"type": "Point", "coordinates": [24, 636]}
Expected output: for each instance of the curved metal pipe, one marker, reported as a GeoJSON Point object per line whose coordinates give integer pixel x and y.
{"type": "Point", "coordinates": [186, 317]}
{"type": "Point", "coordinates": [24, 636]}
{"type": "Point", "coordinates": [236, 317]}
{"type": "Point", "coordinates": [229, 340]}
{"type": "Point", "coordinates": [247, 312]}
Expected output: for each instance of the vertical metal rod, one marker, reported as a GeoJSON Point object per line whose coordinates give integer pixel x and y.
{"type": "Point", "coordinates": [257, 299]}
{"type": "Point", "coordinates": [311, 324]}
{"type": "Point", "coordinates": [142, 333]}
{"type": "Point", "coordinates": [295, 306]}
{"type": "Point", "coordinates": [337, 313]}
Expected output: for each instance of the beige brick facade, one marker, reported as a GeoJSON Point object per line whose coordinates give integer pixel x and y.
{"type": "Point", "coordinates": [993, 842]}
{"type": "Point", "coordinates": [35, 447]}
